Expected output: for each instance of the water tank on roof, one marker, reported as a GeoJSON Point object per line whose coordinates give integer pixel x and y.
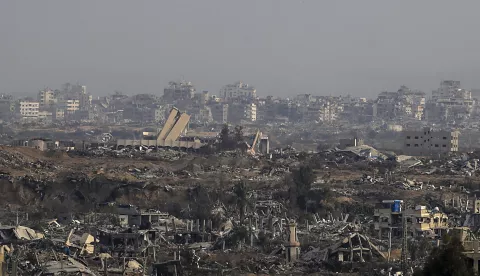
{"type": "Point", "coordinates": [396, 206]}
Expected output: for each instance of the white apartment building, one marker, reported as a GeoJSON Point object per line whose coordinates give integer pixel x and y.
{"type": "Point", "coordinates": [238, 90]}
{"type": "Point", "coordinates": [250, 112]}
{"type": "Point", "coordinates": [29, 110]}
{"type": "Point", "coordinates": [428, 142]}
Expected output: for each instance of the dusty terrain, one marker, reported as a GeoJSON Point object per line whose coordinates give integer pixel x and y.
{"type": "Point", "coordinates": [46, 180]}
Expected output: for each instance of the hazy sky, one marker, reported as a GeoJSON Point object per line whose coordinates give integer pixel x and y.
{"type": "Point", "coordinates": [283, 47]}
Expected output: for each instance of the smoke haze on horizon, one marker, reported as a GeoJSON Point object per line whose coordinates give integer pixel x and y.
{"type": "Point", "coordinates": [282, 47]}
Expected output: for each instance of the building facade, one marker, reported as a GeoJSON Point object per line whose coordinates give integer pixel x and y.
{"type": "Point", "coordinates": [178, 91]}
{"type": "Point", "coordinates": [72, 105]}
{"type": "Point", "coordinates": [219, 112]}
{"type": "Point", "coordinates": [238, 90]}
{"type": "Point", "coordinates": [250, 112]}
{"type": "Point", "coordinates": [388, 217]}
{"type": "Point", "coordinates": [29, 109]}
{"type": "Point", "coordinates": [428, 142]}
{"type": "Point", "coordinates": [450, 102]}
{"type": "Point", "coordinates": [46, 98]}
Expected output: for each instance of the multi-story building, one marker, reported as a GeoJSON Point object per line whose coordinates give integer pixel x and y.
{"type": "Point", "coordinates": [403, 103]}
{"type": "Point", "coordinates": [178, 91]}
{"type": "Point", "coordinates": [357, 109]}
{"type": "Point", "coordinates": [201, 113]}
{"type": "Point", "coordinates": [6, 107]}
{"type": "Point", "coordinates": [450, 89]}
{"type": "Point", "coordinates": [74, 92]}
{"type": "Point", "coordinates": [29, 109]}
{"type": "Point", "coordinates": [85, 99]}
{"type": "Point", "coordinates": [250, 112]}
{"type": "Point", "coordinates": [304, 99]}
{"type": "Point", "coordinates": [71, 106]}
{"type": "Point", "coordinates": [388, 218]}
{"type": "Point", "coordinates": [238, 90]}
{"type": "Point", "coordinates": [58, 113]}
{"type": "Point", "coordinates": [219, 112]}
{"type": "Point", "coordinates": [46, 98]}
{"type": "Point", "coordinates": [450, 102]}
{"type": "Point", "coordinates": [324, 109]}
{"type": "Point", "coordinates": [201, 98]}
{"type": "Point", "coordinates": [428, 142]}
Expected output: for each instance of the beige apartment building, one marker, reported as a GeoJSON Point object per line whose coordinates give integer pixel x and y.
{"type": "Point", "coordinates": [429, 142]}
{"type": "Point", "coordinates": [250, 112]}
{"type": "Point", "coordinates": [71, 106]}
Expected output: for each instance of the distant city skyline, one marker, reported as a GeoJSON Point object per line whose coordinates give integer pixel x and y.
{"type": "Point", "coordinates": [282, 47]}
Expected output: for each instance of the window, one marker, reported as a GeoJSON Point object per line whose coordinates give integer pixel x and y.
{"type": "Point", "coordinates": [408, 145]}
{"type": "Point", "coordinates": [444, 146]}
{"type": "Point", "coordinates": [408, 137]}
{"type": "Point", "coordinates": [416, 145]}
{"type": "Point", "coordinates": [444, 138]}
{"type": "Point", "coordinates": [436, 145]}
{"type": "Point", "coordinates": [416, 137]}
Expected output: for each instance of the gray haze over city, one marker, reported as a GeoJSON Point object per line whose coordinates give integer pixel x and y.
{"type": "Point", "coordinates": [239, 137]}
{"type": "Point", "coordinates": [282, 47]}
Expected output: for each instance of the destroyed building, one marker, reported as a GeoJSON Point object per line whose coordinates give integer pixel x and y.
{"type": "Point", "coordinates": [169, 135]}
{"type": "Point", "coordinates": [389, 214]}
{"type": "Point", "coordinates": [450, 102]}
{"type": "Point", "coordinates": [182, 90]}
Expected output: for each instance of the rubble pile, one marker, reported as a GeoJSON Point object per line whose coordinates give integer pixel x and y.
{"type": "Point", "coordinates": [140, 211]}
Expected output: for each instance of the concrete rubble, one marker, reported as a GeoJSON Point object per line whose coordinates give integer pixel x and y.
{"type": "Point", "coordinates": [142, 212]}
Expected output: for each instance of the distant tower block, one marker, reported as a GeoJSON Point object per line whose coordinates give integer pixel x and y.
{"type": "Point", "coordinates": [293, 246]}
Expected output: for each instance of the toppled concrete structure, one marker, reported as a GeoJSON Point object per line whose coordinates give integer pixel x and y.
{"type": "Point", "coordinates": [353, 248]}
{"type": "Point", "coordinates": [12, 233]}
{"type": "Point", "coordinates": [65, 266]}
{"type": "Point", "coordinates": [168, 136]}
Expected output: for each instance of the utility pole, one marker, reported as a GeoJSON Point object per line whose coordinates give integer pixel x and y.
{"type": "Point", "coordinates": [404, 257]}
{"type": "Point", "coordinates": [389, 243]}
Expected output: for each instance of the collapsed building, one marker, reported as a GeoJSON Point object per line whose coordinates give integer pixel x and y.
{"type": "Point", "coordinates": [168, 137]}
